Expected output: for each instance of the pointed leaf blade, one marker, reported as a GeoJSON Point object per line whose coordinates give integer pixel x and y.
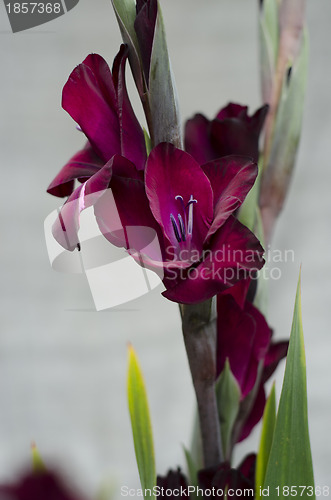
{"type": "Point", "coordinates": [37, 462]}
{"type": "Point", "coordinates": [290, 462]}
{"type": "Point", "coordinates": [269, 42]}
{"type": "Point", "coordinates": [141, 424]}
{"type": "Point", "coordinates": [228, 401]}
{"type": "Point", "coordinates": [125, 11]}
{"type": "Point", "coordinates": [162, 90]}
{"type": "Point", "coordinates": [268, 428]}
{"type": "Point", "coordinates": [192, 470]}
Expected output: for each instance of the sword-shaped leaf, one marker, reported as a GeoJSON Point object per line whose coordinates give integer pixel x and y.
{"type": "Point", "coordinates": [267, 434]}
{"type": "Point", "coordinates": [290, 462]}
{"type": "Point", "coordinates": [162, 90]}
{"type": "Point", "coordinates": [141, 424]}
{"type": "Point", "coordinates": [125, 11]}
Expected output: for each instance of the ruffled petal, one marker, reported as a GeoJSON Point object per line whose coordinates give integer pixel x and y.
{"type": "Point", "coordinates": [231, 178]}
{"type": "Point", "coordinates": [89, 97]}
{"type": "Point", "coordinates": [233, 254]}
{"type": "Point", "coordinates": [81, 166]}
{"type": "Point", "coordinates": [232, 110]}
{"type": "Point", "coordinates": [66, 226]}
{"type": "Point", "coordinates": [123, 207]}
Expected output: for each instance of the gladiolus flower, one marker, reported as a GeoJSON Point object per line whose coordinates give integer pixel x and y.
{"type": "Point", "coordinates": [205, 249]}
{"type": "Point", "coordinates": [232, 131]}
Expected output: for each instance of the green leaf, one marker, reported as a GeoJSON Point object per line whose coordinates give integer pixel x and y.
{"type": "Point", "coordinates": [288, 123]}
{"type": "Point", "coordinates": [192, 470]}
{"type": "Point", "coordinates": [162, 90]}
{"type": "Point", "coordinates": [290, 462]}
{"type": "Point", "coordinates": [37, 462]}
{"type": "Point", "coordinates": [269, 42]}
{"type": "Point", "coordinates": [196, 442]}
{"type": "Point", "coordinates": [125, 11]}
{"type": "Point", "coordinates": [268, 427]}
{"type": "Point", "coordinates": [228, 399]}
{"type": "Point", "coordinates": [141, 424]}
{"type": "Point", "coordinates": [148, 142]}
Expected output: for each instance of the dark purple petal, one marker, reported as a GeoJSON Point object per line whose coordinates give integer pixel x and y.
{"type": "Point", "coordinates": [231, 132]}
{"type": "Point", "coordinates": [231, 136]}
{"type": "Point", "coordinates": [131, 134]}
{"type": "Point", "coordinates": [215, 476]}
{"type": "Point", "coordinates": [255, 414]}
{"type": "Point", "coordinates": [235, 341]}
{"type": "Point", "coordinates": [89, 98]}
{"type": "Point", "coordinates": [171, 172]}
{"type": "Point", "coordinates": [233, 253]}
{"type": "Point", "coordinates": [144, 26]}
{"type": "Point", "coordinates": [276, 352]}
{"type": "Point", "coordinates": [124, 206]}
{"type": "Point", "coordinates": [243, 337]}
{"type": "Point", "coordinates": [41, 486]}
{"type": "Point", "coordinates": [223, 476]}
{"type": "Point", "coordinates": [174, 482]}
{"type": "Point", "coordinates": [197, 140]}
{"type": "Point", "coordinates": [247, 467]}
{"type": "Point", "coordinates": [66, 226]}
{"type": "Point", "coordinates": [238, 134]}
{"type": "Point", "coordinates": [82, 165]}
{"type": "Point", "coordinates": [233, 110]}
{"type": "Point", "coordinates": [239, 291]}
{"type": "Point", "coordinates": [263, 331]}
{"type": "Point", "coordinates": [256, 121]}
{"type": "Point", "coordinates": [231, 178]}
{"type": "Point", "coordinates": [102, 74]}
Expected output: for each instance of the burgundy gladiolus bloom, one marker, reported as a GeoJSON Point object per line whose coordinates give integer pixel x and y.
{"type": "Point", "coordinates": [232, 131]}
{"type": "Point", "coordinates": [224, 477]}
{"type": "Point", "coordinates": [205, 249]}
{"type": "Point", "coordinates": [240, 324]}
{"type": "Point", "coordinates": [96, 98]}
{"type": "Point", "coordinates": [38, 486]}
{"type": "Point", "coordinates": [174, 482]}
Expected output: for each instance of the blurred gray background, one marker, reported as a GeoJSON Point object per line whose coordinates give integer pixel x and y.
{"type": "Point", "coordinates": [63, 365]}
